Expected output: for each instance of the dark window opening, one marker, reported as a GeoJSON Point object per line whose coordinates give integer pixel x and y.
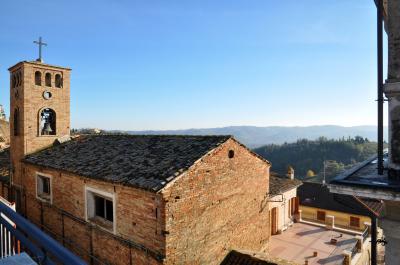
{"type": "Point", "coordinates": [48, 79]}
{"type": "Point", "coordinates": [58, 81]}
{"type": "Point", "coordinates": [231, 153]}
{"type": "Point", "coordinates": [43, 187]}
{"type": "Point", "coordinates": [38, 78]}
{"type": "Point", "coordinates": [47, 123]}
{"type": "Point", "coordinates": [13, 81]}
{"type": "Point", "coordinates": [18, 81]}
{"type": "Point", "coordinates": [16, 122]}
{"type": "Point", "coordinates": [103, 208]}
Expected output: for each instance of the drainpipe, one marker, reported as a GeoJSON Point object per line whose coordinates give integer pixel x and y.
{"type": "Point", "coordinates": [380, 83]}
{"type": "Point", "coordinates": [373, 239]}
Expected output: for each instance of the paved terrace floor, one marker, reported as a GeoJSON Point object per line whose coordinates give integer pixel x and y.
{"type": "Point", "coordinates": [299, 242]}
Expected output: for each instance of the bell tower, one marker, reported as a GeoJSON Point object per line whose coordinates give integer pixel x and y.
{"type": "Point", "coordinates": [39, 110]}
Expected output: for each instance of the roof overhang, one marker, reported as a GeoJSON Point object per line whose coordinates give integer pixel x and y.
{"type": "Point", "coordinates": [366, 192]}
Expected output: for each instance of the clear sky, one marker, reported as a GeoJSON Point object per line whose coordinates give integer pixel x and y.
{"type": "Point", "coordinates": [193, 64]}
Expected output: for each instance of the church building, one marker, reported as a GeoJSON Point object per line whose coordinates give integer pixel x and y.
{"type": "Point", "coordinates": [130, 199]}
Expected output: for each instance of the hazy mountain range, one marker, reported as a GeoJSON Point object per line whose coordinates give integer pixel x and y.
{"type": "Point", "coordinates": [253, 136]}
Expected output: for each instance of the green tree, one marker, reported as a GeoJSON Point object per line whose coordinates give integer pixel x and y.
{"type": "Point", "coordinates": [310, 173]}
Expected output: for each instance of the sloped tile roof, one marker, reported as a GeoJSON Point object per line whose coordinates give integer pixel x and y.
{"type": "Point", "coordinates": [279, 184]}
{"type": "Point", "coordinates": [144, 161]}
{"type": "Point", "coordinates": [318, 195]}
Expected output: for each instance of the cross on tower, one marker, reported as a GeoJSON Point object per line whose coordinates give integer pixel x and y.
{"type": "Point", "coordinates": [40, 44]}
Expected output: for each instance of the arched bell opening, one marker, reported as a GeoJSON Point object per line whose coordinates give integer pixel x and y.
{"type": "Point", "coordinates": [47, 122]}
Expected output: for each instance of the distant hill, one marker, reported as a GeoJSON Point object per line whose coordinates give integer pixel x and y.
{"type": "Point", "coordinates": [307, 157]}
{"type": "Point", "coordinates": [254, 137]}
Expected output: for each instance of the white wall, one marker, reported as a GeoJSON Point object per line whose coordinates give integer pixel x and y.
{"type": "Point", "coordinates": [276, 201]}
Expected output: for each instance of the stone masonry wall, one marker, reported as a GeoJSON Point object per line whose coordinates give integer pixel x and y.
{"type": "Point", "coordinates": [138, 229]}
{"type": "Point", "coordinates": [217, 206]}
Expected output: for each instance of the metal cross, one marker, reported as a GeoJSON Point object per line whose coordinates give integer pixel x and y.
{"type": "Point", "coordinates": [40, 44]}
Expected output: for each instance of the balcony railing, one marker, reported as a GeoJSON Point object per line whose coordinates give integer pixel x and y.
{"type": "Point", "coordinates": [8, 247]}
{"type": "Point", "coordinates": [365, 234]}
{"type": "Point", "coordinates": [18, 234]}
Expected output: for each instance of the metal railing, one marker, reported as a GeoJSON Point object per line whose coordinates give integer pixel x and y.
{"type": "Point", "coordinates": [8, 245]}
{"type": "Point", "coordinates": [41, 247]}
{"type": "Point", "coordinates": [365, 234]}
{"type": "Point", "coordinates": [354, 250]}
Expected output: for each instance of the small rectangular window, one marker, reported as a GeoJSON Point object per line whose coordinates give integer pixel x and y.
{"type": "Point", "coordinates": [43, 188]}
{"type": "Point", "coordinates": [104, 208]}
{"type": "Point", "coordinates": [321, 216]}
{"type": "Point", "coordinates": [354, 221]}
{"type": "Point", "coordinates": [100, 208]}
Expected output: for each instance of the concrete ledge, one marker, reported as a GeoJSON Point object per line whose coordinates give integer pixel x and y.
{"type": "Point", "coordinates": [335, 228]}
{"type": "Point", "coordinates": [391, 88]}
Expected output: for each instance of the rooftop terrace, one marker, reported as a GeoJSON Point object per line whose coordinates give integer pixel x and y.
{"type": "Point", "coordinates": [301, 241]}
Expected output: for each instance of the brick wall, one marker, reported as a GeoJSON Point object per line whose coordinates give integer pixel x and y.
{"type": "Point", "coordinates": [30, 102]}
{"type": "Point", "coordinates": [138, 228]}
{"type": "Point", "coordinates": [218, 205]}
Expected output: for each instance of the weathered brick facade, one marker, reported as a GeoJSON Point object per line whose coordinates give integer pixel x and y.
{"type": "Point", "coordinates": [218, 204]}
{"type": "Point", "coordinates": [138, 228]}
{"type": "Point", "coordinates": [27, 98]}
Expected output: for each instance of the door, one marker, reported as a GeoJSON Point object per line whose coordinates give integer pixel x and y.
{"type": "Point", "coordinates": [274, 221]}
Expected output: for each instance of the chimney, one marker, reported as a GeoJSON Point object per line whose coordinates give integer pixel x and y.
{"type": "Point", "coordinates": [290, 172]}
{"type": "Point", "coordinates": [392, 88]}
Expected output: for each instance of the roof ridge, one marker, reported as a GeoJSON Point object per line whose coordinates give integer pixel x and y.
{"type": "Point", "coordinates": [159, 135]}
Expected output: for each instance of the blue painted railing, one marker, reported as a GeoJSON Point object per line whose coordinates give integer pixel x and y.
{"type": "Point", "coordinates": [41, 247]}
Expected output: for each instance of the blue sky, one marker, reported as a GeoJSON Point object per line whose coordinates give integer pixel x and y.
{"type": "Point", "coordinates": [194, 64]}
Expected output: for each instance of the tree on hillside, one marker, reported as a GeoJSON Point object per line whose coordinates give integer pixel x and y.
{"type": "Point", "coordinates": [305, 155]}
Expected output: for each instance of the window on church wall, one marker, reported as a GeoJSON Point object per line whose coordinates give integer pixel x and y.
{"type": "Point", "coordinates": [58, 81]}
{"type": "Point", "coordinates": [16, 122]}
{"type": "Point", "coordinates": [47, 79]}
{"type": "Point", "coordinates": [47, 123]}
{"type": "Point", "coordinates": [100, 208]}
{"type": "Point", "coordinates": [43, 187]}
{"type": "Point", "coordinates": [38, 78]}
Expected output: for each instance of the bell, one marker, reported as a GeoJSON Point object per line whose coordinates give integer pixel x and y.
{"type": "Point", "coordinates": [47, 129]}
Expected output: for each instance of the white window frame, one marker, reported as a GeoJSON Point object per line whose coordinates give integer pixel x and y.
{"type": "Point", "coordinates": [38, 195]}
{"type": "Point", "coordinates": [90, 211]}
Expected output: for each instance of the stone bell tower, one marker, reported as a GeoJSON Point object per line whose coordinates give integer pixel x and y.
{"type": "Point", "coordinates": [39, 110]}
